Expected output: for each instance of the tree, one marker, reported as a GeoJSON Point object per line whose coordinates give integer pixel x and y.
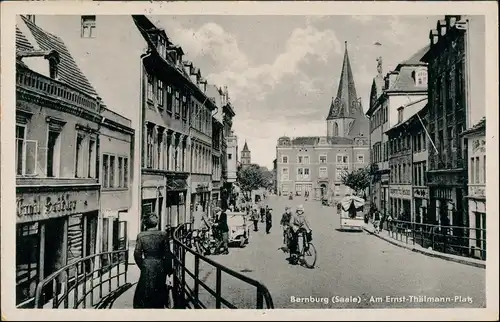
{"type": "Point", "coordinates": [358, 180]}
{"type": "Point", "coordinates": [250, 178]}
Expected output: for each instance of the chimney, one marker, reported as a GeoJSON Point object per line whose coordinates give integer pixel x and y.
{"type": "Point", "coordinates": [441, 27]}
{"type": "Point", "coordinates": [434, 37]}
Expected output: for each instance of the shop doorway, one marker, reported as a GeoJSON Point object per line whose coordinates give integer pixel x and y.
{"type": "Point", "coordinates": [323, 190]}
{"type": "Point", "coordinates": [53, 257]}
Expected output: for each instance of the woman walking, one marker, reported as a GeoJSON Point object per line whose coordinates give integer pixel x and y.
{"type": "Point", "coordinates": [269, 220]}
{"type": "Point", "coordinates": [152, 256]}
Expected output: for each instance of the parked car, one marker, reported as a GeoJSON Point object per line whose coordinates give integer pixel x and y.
{"type": "Point", "coordinates": [239, 228]}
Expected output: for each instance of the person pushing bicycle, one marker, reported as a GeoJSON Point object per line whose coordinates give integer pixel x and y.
{"type": "Point", "coordinates": [285, 224]}
{"type": "Point", "coordinates": [299, 223]}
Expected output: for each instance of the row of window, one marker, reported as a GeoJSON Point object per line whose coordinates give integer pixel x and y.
{"type": "Point", "coordinates": [379, 117]}
{"type": "Point", "coordinates": [304, 173]}
{"type": "Point", "coordinates": [344, 159]}
{"type": "Point", "coordinates": [401, 173]}
{"type": "Point", "coordinates": [301, 188]}
{"type": "Point", "coordinates": [29, 153]}
{"type": "Point", "coordinates": [419, 171]}
{"type": "Point", "coordinates": [164, 151]}
{"type": "Point", "coordinates": [114, 171]}
{"type": "Point", "coordinates": [448, 91]}
{"type": "Point", "coordinates": [380, 151]}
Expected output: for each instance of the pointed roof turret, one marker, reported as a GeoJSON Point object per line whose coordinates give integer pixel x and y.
{"type": "Point", "coordinates": [245, 147]}
{"type": "Point", "coordinates": [346, 102]}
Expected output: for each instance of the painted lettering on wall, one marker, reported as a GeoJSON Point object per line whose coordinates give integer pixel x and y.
{"type": "Point", "coordinates": [30, 209]}
{"type": "Point", "coordinates": [400, 191]}
{"type": "Point", "coordinates": [62, 203]}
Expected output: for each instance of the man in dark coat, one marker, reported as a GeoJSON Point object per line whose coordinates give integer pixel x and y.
{"type": "Point", "coordinates": [269, 220]}
{"type": "Point", "coordinates": [223, 229]}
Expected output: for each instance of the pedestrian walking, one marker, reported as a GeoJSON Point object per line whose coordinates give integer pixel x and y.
{"type": "Point", "coordinates": [269, 220]}
{"type": "Point", "coordinates": [262, 213]}
{"type": "Point", "coordinates": [223, 228]}
{"type": "Point", "coordinates": [152, 256]}
{"type": "Point", "coordinates": [285, 224]}
{"type": "Point", "coordinates": [255, 219]}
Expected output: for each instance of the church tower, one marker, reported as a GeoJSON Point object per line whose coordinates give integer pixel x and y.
{"type": "Point", "coordinates": [246, 157]}
{"type": "Point", "coordinates": [346, 117]}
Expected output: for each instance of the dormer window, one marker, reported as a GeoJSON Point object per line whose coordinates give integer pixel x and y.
{"type": "Point", "coordinates": [53, 68]}
{"type": "Point", "coordinates": [421, 78]}
{"type": "Point", "coordinates": [400, 114]}
{"type": "Point", "coordinates": [162, 46]}
{"type": "Point", "coordinates": [88, 27]}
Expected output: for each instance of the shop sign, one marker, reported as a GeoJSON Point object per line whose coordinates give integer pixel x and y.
{"type": "Point", "coordinates": [400, 192]}
{"type": "Point", "coordinates": [421, 193]}
{"type": "Point", "coordinates": [32, 207]}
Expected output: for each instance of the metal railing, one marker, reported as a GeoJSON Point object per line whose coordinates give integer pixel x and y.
{"type": "Point", "coordinates": [189, 296]}
{"type": "Point", "coordinates": [76, 284]}
{"type": "Point", "coordinates": [455, 240]}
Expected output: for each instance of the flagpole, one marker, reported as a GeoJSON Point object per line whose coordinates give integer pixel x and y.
{"type": "Point", "coordinates": [427, 133]}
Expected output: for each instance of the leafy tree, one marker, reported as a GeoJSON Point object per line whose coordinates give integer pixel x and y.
{"type": "Point", "coordinates": [250, 178]}
{"type": "Point", "coordinates": [358, 180]}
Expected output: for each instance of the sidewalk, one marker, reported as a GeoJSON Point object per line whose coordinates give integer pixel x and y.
{"type": "Point", "coordinates": [419, 249]}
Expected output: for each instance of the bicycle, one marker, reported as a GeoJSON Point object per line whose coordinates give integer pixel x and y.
{"type": "Point", "coordinates": [205, 242]}
{"type": "Point", "coordinates": [306, 251]}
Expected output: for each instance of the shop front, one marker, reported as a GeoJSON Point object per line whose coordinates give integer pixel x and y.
{"type": "Point", "coordinates": [216, 194]}
{"type": "Point", "coordinates": [420, 204]}
{"type": "Point", "coordinates": [201, 192]}
{"type": "Point", "coordinates": [153, 199]}
{"type": "Point", "coordinates": [400, 199]}
{"type": "Point", "coordinates": [477, 221]}
{"type": "Point", "coordinates": [176, 212]}
{"type": "Point", "coordinates": [53, 229]}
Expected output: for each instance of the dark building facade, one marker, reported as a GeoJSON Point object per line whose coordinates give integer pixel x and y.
{"type": "Point", "coordinates": [447, 169]}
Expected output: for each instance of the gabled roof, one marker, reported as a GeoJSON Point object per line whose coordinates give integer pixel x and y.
{"type": "Point", "coordinates": [415, 59]}
{"type": "Point", "coordinates": [68, 72]}
{"type": "Point", "coordinates": [345, 103]}
{"type": "Point", "coordinates": [478, 127]}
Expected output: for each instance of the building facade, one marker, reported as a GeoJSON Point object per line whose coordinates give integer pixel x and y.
{"type": "Point", "coordinates": [455, 95]}
{"type": "Point", "coordinates": [389, 95]}
{"type": "Point", "coordinates": [57, 155]}
{"type": "Point", "coordinates": [314, 165]}
{"type": "Point", "coordinates": [420, 192]}
{"type": "Point", "coordinates": [116, 153]}
{"type": "Point", "coordinates": [229, 153]}
{"type": "Point", "coordinates": [407, 165]}
{"type": "Point", "coordinates": [476, 144]}
{"type": "Point", "coordinates": [116, 80]}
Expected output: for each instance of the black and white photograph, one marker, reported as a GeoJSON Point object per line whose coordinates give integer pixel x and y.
{"type": "Point", "coordinates": [193, 160]}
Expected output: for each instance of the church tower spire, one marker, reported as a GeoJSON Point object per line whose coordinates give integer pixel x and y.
{"type": "Point", "coordinates": [345, 108]}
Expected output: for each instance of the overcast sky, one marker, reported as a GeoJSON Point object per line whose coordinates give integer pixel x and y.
{"type": "Point", "coordinates": [282, 71]}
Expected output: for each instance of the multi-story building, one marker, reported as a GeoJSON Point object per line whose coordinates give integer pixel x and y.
{"type": "Point", "coordinates": [275, 181]}
{"type": "Point", "coordinates": [407, 83]}
{"type": "Point", "coordinates": [116, 80]}
{"type": "Point", "coordinates": [403, 146]}
{"type": "Point", "coordinates": [116, 155]}
{"type": "Point", "coordinates": [456, 95]}
{"type": "Point", "coordinates": [246, 155]}
{"type": "Point", "coordinates": [229, 153]}
{"type": "Point", "coordinates": [316, 164]}
{"type": "Point", "coordinates": [58, 122]}
{"type": "Point", "coordinates": [475, 137]}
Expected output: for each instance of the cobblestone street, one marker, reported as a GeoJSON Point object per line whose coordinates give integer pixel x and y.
{"type": "Point", "coordinates": [349, 265]}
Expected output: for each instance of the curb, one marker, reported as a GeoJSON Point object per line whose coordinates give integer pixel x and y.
{"type": "Point", "coordinates": [423, 252]}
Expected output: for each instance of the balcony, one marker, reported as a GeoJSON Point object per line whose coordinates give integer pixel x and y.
{"type": "Point", "coordinates": [45, 86]}
{"type": "Point", "coordinates": [47, 182]}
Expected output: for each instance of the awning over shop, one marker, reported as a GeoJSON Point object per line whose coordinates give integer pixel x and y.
{"type": "Point", "coordinates": [176, 184]}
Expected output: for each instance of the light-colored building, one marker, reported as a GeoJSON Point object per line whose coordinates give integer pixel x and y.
{"type": "Point", "coordinates": [315, 164]}
{"type": "Point", "coordinates": [232, 157]}
{"type": "Point", "coordinates": [58, 122]}
{"type": "Point", "coordinates": [390, 95]}
{"type": "Point", "coordinates": [476, 145]}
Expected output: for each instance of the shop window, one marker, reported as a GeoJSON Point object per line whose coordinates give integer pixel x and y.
{"type": "Point", "coordinates": [27, 259]}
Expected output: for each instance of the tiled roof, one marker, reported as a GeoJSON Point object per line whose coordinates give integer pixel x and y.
{"type": "Point", "coordinates": [416, 58]}
{"type": "Point", "coordinates": [405, 81]}
{"type": "Point", "coordinates": [21, 42]}
{"type": "Point", "coordinates": [69, 72]}
{"type": "Point", "coordinates": [481, 125]}
{"type": "Point", "coordinates": [345, 103]}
